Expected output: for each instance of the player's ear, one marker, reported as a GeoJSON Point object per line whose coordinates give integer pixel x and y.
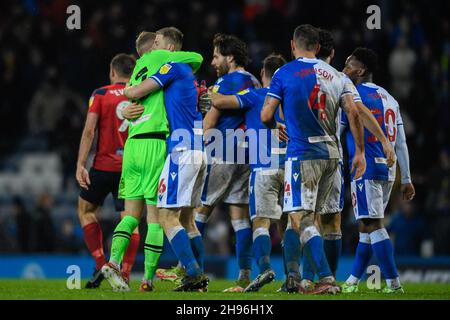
{"type": "Point", "coordinates": [112, 73]}
{"type": "Point", "coordinates": [293, 46]}
{"type": "Point", "coordinates": [229, 59]}
{"type": "Point", "coordinates": [361, 72]}
{"type": "Point", "coordinates": [317, 49]}
{"type": "Point", "coordinates": [262, 73]}
{"type": "Point", "coordinates": [332, 54]}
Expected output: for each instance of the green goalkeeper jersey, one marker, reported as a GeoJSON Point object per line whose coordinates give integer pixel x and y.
{"type": "Point", "coordinates": [154, 118]}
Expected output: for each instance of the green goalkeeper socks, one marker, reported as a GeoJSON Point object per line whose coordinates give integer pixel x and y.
{"type": "Point", "coordinates": [121, 238]}
{"type": "Point", "coordinates": [152, 249]}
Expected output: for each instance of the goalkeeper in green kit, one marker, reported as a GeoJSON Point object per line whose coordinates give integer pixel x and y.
{"type": "Point", "coordinates": [143, 161]}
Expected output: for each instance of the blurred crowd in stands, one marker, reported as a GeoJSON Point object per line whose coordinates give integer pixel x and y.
{"type": "Point", "coordinates": [48, 72]}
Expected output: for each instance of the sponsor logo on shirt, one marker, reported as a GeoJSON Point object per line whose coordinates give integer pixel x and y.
{"type": "Point", "coordinates": [165, 68]}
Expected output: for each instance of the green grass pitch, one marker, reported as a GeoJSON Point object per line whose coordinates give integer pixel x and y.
{"type": "Point", "coordinates": [57, 290]}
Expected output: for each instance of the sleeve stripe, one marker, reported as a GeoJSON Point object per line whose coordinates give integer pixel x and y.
{"type": "Point", "coordinates": [239, 100]}
{"type": "Point", "coordinates": [274, 95]}
{"type": "Point", "coordinates": [157, 80]}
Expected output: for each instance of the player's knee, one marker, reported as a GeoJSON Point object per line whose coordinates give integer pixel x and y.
{"type": "Point", "coordinates": [294, 221]}
{"type": "Point", "coordinates": [330, 224]}
{"type": "Point", "coordinates": [86, 212]}
{"type": "Point", "coordinates": [167, 219]}
{"type": "Point", "coordinates": [239, 212]}
{"type": "Point", "coordinates": [204, 210]}
{"type": "Point", "coordinates": [261, 231]}
{"type": "Point", "coordinates": [370, 225]}
{"type": "Point", "coordinates": [240, 224]}
{"type": "Point", "coordinates": [188, 222]}
{"type": "Point", "coordinates": [308, 229]}
{"type": "Point", "coordinates": [307, 220]}
{"type": "Point", "coordinates": [261, 223]}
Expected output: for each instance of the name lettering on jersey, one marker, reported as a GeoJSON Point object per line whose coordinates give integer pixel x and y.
{"type": "Point", "coordinates": [116, 92]}
{"type": "Point", "coordinates": [324, 74]}
{"type": "Point", "coordinates": [377, 96]}
{"type": "Point", "coordinates": [173, 175]}
{"type": "Point", "coordinates": [305, 72]}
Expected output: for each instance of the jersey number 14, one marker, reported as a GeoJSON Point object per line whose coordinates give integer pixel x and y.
{"type": "Point", "coordinates": [317, 101]}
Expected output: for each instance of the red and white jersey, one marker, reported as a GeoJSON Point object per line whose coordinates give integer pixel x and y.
{"type": "Point", "coordinates": [108, 102]}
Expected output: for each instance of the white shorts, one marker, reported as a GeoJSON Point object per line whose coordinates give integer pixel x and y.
{"type": "Point", "coordinates": [370, 198]}
{"type": "Point", "coordinates": [308, 185]}
{"type": "Point", "coordinates": [226, 182]}
{"type": "Point", "coordinates": [181, 180]}
{"type": "Point", "coordinates": [336, 200]}
{"type": "Point", "coordinates": [266, 193]}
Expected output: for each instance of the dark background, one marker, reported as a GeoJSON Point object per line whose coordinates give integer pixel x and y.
{"type": "Point", "coordinates": [48, 72]}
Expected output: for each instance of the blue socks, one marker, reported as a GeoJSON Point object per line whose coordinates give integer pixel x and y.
{"type": "Point", "coordinates": [243, 243]}
{"type": "Point", "coordinates": [181, 246]}
{"type": "Point", "coordinates": [307, 268]}
{"type": "Point", "coordinates": [262, 246]}
{"type": "Point", "coordinates": [313, 249]}
{"type": "Point", "coordinates": [292, 250]}
{"type": "Point", "coordinates": [201, 220]}
{"type": "Point", "coordinates": [332, 246]}
{"type": "Point", "coordinates": [362, 257]}
{"type": "Point", "coordinates": [198, 249]}
{"type": "Point", "coordinates": [382, 248]}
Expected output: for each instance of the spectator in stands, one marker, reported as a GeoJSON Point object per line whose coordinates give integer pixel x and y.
{"type": "Point", "coordinates": [48, 106]}
{"type": "Point", "coordinates": [43, 226]}
{"type": "Point", "coordinates": [408, 230]}
{"type": "Point", "coordinates": [68, 241]}
{"type": "Point", "coordinates": [23, 224]}
{"type": "Point", "coordinates": [401, 66]}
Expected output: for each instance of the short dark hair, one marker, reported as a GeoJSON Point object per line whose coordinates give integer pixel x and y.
{"type": "Point", "coordinates": [144, 41]}
{"type": "Point", "coordinates": [123, 64]}
{"type": "Point", "coordinates": [367, 57]}
{"type": "Point", "coordinates": [306, 36]}
{"type": "Point", "coordinates": [229, 45]}
{"type": "Point", "coordinates": [326, 42]}
{"type": "Point", "coordinates": [272, 63]}
{"type": "Point", "coordinates": [173, 35]}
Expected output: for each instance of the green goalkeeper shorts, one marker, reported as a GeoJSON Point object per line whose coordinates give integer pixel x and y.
{"type": "Point", "coordinates": [143, 161]}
